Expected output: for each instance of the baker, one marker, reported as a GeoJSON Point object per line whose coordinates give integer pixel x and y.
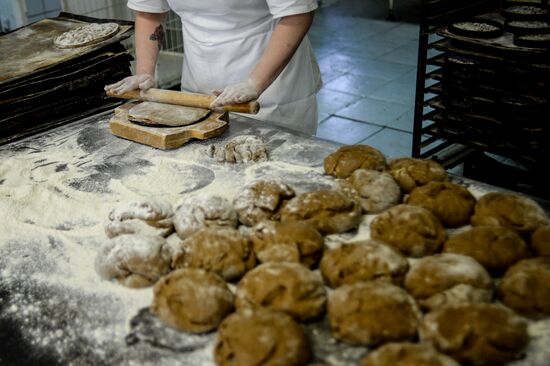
{"type": "Point", "coordinates": [238, 50]}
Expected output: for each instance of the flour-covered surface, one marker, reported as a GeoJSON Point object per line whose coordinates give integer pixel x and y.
{"type": "Point", "coordinates": [57, 190]}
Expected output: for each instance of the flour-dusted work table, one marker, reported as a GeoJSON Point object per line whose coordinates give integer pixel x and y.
{"type": "Point", "coordinates": [56, 190]}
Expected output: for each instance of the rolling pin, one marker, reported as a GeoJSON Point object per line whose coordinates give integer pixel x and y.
{"type": "Point", "coordinates": [186, 99]}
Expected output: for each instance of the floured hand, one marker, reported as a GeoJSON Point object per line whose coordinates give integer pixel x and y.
{"type": "Point", "coordinates": [141, 82]}
{"type": "Point", "coordinates": [236, 93]}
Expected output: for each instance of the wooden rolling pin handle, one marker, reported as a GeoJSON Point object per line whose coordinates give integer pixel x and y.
{"type": "Point", "coordinates": [187, 99]}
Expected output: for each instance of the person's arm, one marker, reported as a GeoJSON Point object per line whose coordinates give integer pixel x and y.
{"type": "Point", "coordinates": [285, 39]}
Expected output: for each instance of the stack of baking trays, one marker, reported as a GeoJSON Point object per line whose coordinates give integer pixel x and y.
{"type": "Point", "coordinates": [493, 91]}
{"type": "Point", "coordinates": [43, 85]}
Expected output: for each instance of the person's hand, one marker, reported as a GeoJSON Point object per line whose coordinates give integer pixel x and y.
{"type": "Point", "coordinates": [141, 81]}
{"type": "Point", "coordinates": [236, 93]}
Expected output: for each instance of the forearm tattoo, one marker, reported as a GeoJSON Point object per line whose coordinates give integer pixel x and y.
{"type": "Point", "coordinates": [158, 35]}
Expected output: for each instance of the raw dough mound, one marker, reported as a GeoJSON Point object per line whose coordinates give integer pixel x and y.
{"type": "Point", "coordinates": [328, 211]}
{"type": "Point", "coordinates": [411, 172]}
{"type": "Point", "coordinates": [192, 300]}
{"type": "Point", "coordinates": [510, 210]}
{"type": "Point", "coordinates": [476, 334]}
{"type": "Point", "coordinates": [289, 241]}
{"type": "Point", "coordinates": [134, 260]}
{"type": "Point", "coordinates": [378, 191]}
{"type": "Point", "coordinates": [224, 251]}
{"type": "Point", "coordinates": [453, 204]}
{"type": "Point", "coordinates": [446, 279]}
{"type": "Point", "coordinates": [86, 35]}
{"type": "Point", "coordinates": [145, 217]}
{"type": "Point", "coordinates": [407, 354]}
{"type": "Point", "coordinates": [288, 287]}
{"type": "Point", "coordinates": [197, 212]}
{"type": "Point", "coordinates": [413, 230]}
{"type": "Point", "coordinates": [240, 149]}
{"type": "Point", "coordinates": [261, 337]}
{"type": "Point", "coordinates": [261, 200]}
{"type": "Point", "coordinates": [347, 159]}
{"type": "Point", "coordinates": [363, 261]}
{"type": "Point", "coordinates": [494, 247]}
{"type": "Point", "coordinates": [152, 113]}
{"type": "Point", "coordinates": [371, 313]}
{"type": "Point", "coordinates": [525, 287]}
{"type": "Point", "coordinates": [540, 241]}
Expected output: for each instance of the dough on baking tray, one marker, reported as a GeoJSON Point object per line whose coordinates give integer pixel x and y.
{"type": "Point", "coordinates": [377, 191]}
{"type": "Point", "coordinates": [240, 149]}
{"type": "Point", "coordinates": [413, 230]}
{"type": "Point", "coordinates": [540, 241]}
{"type": "Point", "coordinates": [283, 286]}
{"type": "Point", "coordinates": [261, 338]}
{"type": "Point", "coordinates": [192, 300]}
{"type": "Point", "coordinates": [224, 251]}
{"type": "Point", "coordinates": [289, 241]}
{"type": "Point", "coordinates": [411, 172]}
{"type": "Point", "coordinates": [371, 313]}
{"type": "Point", "coordinates": [347, 159]}
{"type": "Point", "coordinates": [363, 261]}
{"type": "Point", "coordinates": [261, 200]}
{"type": "Point", "coordinates": [447, 279]}
{"type": "Point", "coordinates": [88, 34]}
{"type": "Point", "coordinates": [152, 113]}
{"type": "Point", "coordinates": [133, 260]}
{"type": "Point", "coordinates": [407, 354]}
{"type": "Point", "coordinates": [476, 334]}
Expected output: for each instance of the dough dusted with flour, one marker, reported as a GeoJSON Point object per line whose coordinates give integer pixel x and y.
{"type": "Point", "coordinates": [447, 279]}
{"type": "Point", "coordinates": [240, 149]}
{"type": "Point", "coordinates": [494, 247]}
{"type": "Point", "coordinates": [407, 354]}
{"type": "Point", "coordinates": [261, 200]}
{"type": "Point", "coordinates": [86, 35]}
{"type": "Point", "coordinates": [224, 251]}
{"type": "Point", "coordinates": [413, 230]}
{"type": "Point", "coordinates": [329, 211]}
{"type": "Point", "coordinates": [410, 173]}
{"type": "Point", "coordinates": [377, 191]}
{"type": "Point", "coordinates": [347, 159]}
{"type": "Point", "coordinates": [200, 211]}
{"type": "Point", "coordinates": [145, 217]}
{"type": "Point", "coordinates": [152, 113]}
{"type": "Point", "coordinates": [451, 203]}
{"type": "Point", "coordinates": [261, 338]}
{"type": "Point", "coordinates": [134, 260]}
{"type": "Point", "coordinates": [192, 300]}
{"type": "Point", "coordinates": [525, 287]}
{"type": "Point", "coordinates": [288, 287]}
{"type": "Point", "coordinates": [476, 334]}
{"type": "Point", "coordinates": [371, 313]}
{"type": "Point", "coordinates": [289, 241]}
{"type": "Point", "coordinates": [540, 241]}
{"type": "Point", "coordinates": [363, 261]}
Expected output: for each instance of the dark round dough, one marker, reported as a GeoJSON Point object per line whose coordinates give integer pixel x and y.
{"type": "Point", "coordinates": [540, 241]}
{"type": "Point", "coordinates": [347, 159]}
{"type": "Point", "coordinates": [377, 191]}
{"type": "Point", "coordinates": [407, 354]}
{"type": "Point", "coordinates": [411, 172]}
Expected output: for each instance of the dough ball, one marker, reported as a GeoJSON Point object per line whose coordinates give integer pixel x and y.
{"type": "Point", "coordinates": [453, 204]}
{"type": "Point", "coordinates": [411, 172]}
{"type": "Point", "coordinates": [192, 300]}
{"type": "Point", "coordinates": [525, 288]}
{"type": "Point", "coordinates": [371, 313]}
{"type": "Point", "coordinates": [378, 191]}
{"type": "Point", "coordinates": [328, 211]}
{"type": "Point", "coordinates": [145, 217]}
{"type": "Point", "coordinates": [224, 251]}
{"type": "Point", "coordinates": [413, 230]}
{"type": "Point", "coordinates": [347, 159]}
{"type": "Point", "coordinates": [134, 260]}
{"type": "Point", "coordinates": [494, 247]}
{"type": "Point", "coordinates": [289, 241]}
{"type": "Point", "coordinates": [476, 334]}
{"type": "Point", "coordinates": [200, 211]}
{"type": "Point", "coordinates": [510, 210]}
{"type": "Point", "coordinates": [261, 200]}
{"type": "Point", "coordinates": [363, 261]}
{"type": "Point", "coordinates": [240, 149]}
{"type": "Point", "coordinates": [261, 337]}
{"type": "Point", "coordinates": [448, 278]}
{"type": "Point", "coordinates": [540, 241]}
{"type": "Point", "coordinates": [283, 286]}
{"type": "Point", "coordinates": [407, 354]}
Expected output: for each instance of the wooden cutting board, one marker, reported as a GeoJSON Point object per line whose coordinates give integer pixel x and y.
{"type": "Point", "coordinates": [166, 138]}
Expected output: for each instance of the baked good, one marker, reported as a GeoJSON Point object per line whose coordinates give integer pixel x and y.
{"type": "Point", "coordinates": [410, 173]}
{"type": "Point", "coordinates": [240, 149]}
{"type": "Point", "coordinates": [283, 286]}
{"type": "Point", "coordinates": [153, 113]}
{"type": "Point", "coordinates": [476, 334]}
{"type": "Point", "coordinates": [448, 278]}
{"type": "Point", "coordinates": [540, 241]}
{"type": "Point", "coordinates": [261, 337]}
{"type": "Point", "coordinates": [85, 35]}
{"type": "Point", "coordinates": [347, 159]}
{"type": "Point", "coordinates": [377, 191]}
{"type": "Point", "coordinates": [413, 230]}
{"type": "Point", "coordinates": [363, 261]}
{"type": "Point", "coordinates": [407, 354]}
{"type": "Point", "coordinates": [192, 300]}
{"type": "Point", "coordinates": [371, 313]}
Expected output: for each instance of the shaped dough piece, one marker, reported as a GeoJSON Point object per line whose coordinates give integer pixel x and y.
{"type": "Point", "coordinates": [152, 113]}
{"type": "Point", "coordinates": [261, 337]}
{"type": "Point", "coordinates": [407, 354]}
{"type": "Point", "coordinates": [540, 241]}
{"type": "Point", "coordinates": [377, 191]}
{"type": "Point", "coordinates": [347, 159]}
{"type": "Point", "coordinates": [410, 173]}
{"type": "Point", "coordinates": [86, 35]}
{"type": "Point", "coordinates": [240, 149]}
